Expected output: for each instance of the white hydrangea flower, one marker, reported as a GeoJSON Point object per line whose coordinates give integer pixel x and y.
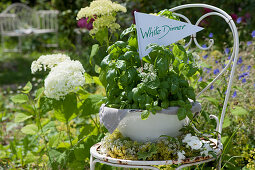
{"type": "Point", "coordinates": [64, 78]}
{"type": "Point", "coordinates": [180, 156]}
{"type": "Point", "coordinates": [48, 61]}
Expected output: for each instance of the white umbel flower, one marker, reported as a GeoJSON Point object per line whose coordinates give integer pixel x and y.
{"type": "Point", "coordinates": [192, 141]}
{"type": "Point", "coordinates": [180, 156]}
{"type": "Point", "coordinates": [206, 149]}
{"type": "Point", "coordinates": [64, 78]}
{"type": "Point", "coordinates": [48, 62]}
{"type": "Point", "coordinates": [195, 144]}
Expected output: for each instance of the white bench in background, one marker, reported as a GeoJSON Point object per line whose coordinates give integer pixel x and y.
{"type": "Point", "coordinates": [19, 20]}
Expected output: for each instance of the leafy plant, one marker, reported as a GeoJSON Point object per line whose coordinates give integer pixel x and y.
{"type": "Point", "coordinates": [156, 82]}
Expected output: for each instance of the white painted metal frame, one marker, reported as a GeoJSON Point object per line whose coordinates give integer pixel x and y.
{"type": "Point", "coordinates": [19, 20]}
{"type": "Point", "coordinates": [217, 12]}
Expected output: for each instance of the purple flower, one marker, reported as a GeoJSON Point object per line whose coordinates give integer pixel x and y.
{"type": "Point", "coordinates": [249, 43]}
{"type": "Point", "coordinates": [234, 94]}
{"type": "Point", "coordinates": [240, 60]}
{"type": "Point", "coordinates": [216, 61]}
{"type": "Point", "coordinates": [204, 46]}
{"type": "Point", "coordinates": [239, 20]}
{"type": "Point", "coordinates": [249, 68]}
{"type": "Point", "coordinates": [227, 50]}
{"type": "Point", "coordinates": [200, 79]}
{"type": "Point", "coordinates": [234, 17]}
{"type": "Point", "coordinates": [83, 23]}
{"type": "Point", "coordinates": [216, 71]}
{"type": "Point", "coordinates": [244, 80]}
{"type": "Point", "coordinates": [211, 87]}
{"type": "Point", "coordinates": [242, 68]}
{"type": "Point", "coordinates": [224, 65]}
{"type": "Point", "coordinates": [253, 34]}
{"type": "Point", "coordinates": [254, 85]}
{"type": "Point", "coordinates": [205, 56]}
{"type": "Point", "coordinates": [210, 35]}
{"type": "Point", "coordinates": [229, 57]}
{"type": "Point", "coordinates": [208, 70]}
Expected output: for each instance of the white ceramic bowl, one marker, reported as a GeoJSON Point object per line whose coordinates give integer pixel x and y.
{"type": "Point", "coordinates": [150, 129]}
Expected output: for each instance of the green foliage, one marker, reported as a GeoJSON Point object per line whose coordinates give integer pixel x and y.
{"type": "Point", "coordinates": [147, 154]}
{"type": "Point", "coordinates": [31, 129]}
{"type": "Point", "coordinates": [21, 117]}
{"type": "Point", "coordinates": [20, 98]}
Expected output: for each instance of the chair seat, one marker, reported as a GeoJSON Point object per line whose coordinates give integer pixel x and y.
{"type": "Point", "coordinates": [29, 31]}
{"type": "Point", "coordinates": [95, 153]}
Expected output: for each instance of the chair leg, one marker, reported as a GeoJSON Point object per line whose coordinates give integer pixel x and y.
{"type": "Point", "coordinates": [19, 45]}
{"type": "Point", "coordinates": [219, 163]}
{"type": "Point", "coordinates": [2, 42]}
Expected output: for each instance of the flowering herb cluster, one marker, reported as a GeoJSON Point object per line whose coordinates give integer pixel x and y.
{"type": "Point", "coordinates": [158, 81]}
{"type": "Point", "coordinates": [177, 149]}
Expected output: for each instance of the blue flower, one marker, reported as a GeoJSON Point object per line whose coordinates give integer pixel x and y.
{"type": "Point", "coordinates": [210, 35]}
{"type": "Point", "coordinates": [205, 56]}
{"type": "Point", "coordinates": [239, 20]}
{"type": "Point", "coordinates": [244, 80]}
{"type": "Point", "coordinates": [253, 34]}
{"type": "Point", "coordinates": [249, 43]}
{"type": "Point", "coordinates": [216, 61]}
{"type": "Point", "coordinates": [243, 75]}
{"type": "Point", "coordinates": [204, 46]}
{"type": "Point", "coordinates": [249, 68]}
{"type": "Point", "coordinates": [208, 70]}
{"type": "Point", "coordinates": [200, 79]}
{"type": "Point", "coordinates": [216, 71]}
{"type": "Point", "coordinates": [224, 66]}
{"type": "Point", "coordinates": [229, 57]}
{"type": "Point", "coordinates": [211, 87]}
{"type": "Point", "coordinates": [242, 68]}
{"type": "Point", "coordinates": [234, 94]}
{"type": "Point", "coordinates": [254, 85]}
{"type": "Point", "coordinates": [227, 50]}
{"type": "Point", "coordinates": [240, 60]}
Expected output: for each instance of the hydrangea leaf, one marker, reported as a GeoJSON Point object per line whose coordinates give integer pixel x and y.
{"type": "Point", "coordinates": [91, 104]}
{"type": "Point", "coordinates": [31, 129]}
{"type": "Point", "coordinates": [20, 98]}
{"type": "Point", "coordinates": [27, 88]}
{"type": "Point", "coordinates": [21, 117]}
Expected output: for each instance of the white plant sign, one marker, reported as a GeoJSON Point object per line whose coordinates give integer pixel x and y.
{"type": "Point", "coordinates": [160, 30]}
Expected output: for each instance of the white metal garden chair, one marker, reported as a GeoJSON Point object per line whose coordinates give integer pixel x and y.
{"type": "Point", "coordinates": [97, 157]}
{"type": "Point", "coordinates": [19, 20]}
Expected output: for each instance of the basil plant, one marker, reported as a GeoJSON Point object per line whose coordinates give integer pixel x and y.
{"type": "Point", "coordinates": [156, 82]}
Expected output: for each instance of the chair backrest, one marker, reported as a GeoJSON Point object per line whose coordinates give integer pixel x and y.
{"type": "Point", "coordinates": [218, 12]}
{"type": "Point", "coordinates": [48, 19]}
{"type": "Point", "coordinates": [25, 17]}
{"type": "Point", "coordinates": [8, 23]}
